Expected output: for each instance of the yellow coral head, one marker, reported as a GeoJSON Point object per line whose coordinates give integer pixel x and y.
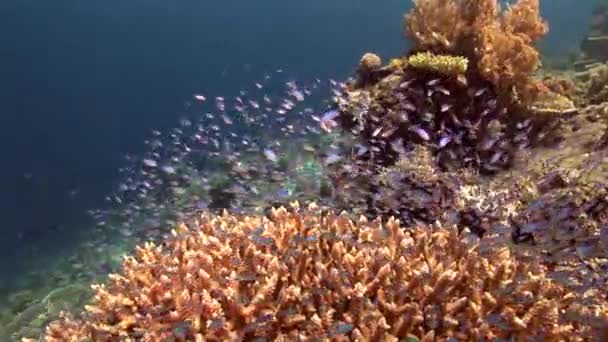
{"type": "Point", "coordinates": [444, 64]}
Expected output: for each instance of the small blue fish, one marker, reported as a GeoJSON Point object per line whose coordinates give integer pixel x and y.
{"type": "Point", "coordinates": [168, 169]}
{"type": "Point", "coordinates": [150, 162]}
{"type": "Point", "coordinates": [182, 329]}
{"type": "Point", "coordinates": [342, 328]}
{"type": "Point", "coordinates": [530, 228]}
{"type": "Point", "coordinates": [311, 238]}
{"type": "Point", "coordinates": [261, 240]}
{"type": "Point", "coordinates": [283, 192]}
{"type": "Point", "coordinates": [217, 324]}
{"type": "Point", "coordinates": [332, 158]}
{"type": "Point", "coordinates": [246, 276]}
{"type": "Point", "coordinates": [264, 318]}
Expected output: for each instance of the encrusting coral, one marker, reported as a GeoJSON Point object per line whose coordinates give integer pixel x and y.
{"type": "Point", "coordinates": [443, 64]}
{"type": "Point", "coordinates": [307, 273]}
{"type": "Point", "coordinates": [412, 190]}
{"type": "Point", "coordinates": [597, 90]}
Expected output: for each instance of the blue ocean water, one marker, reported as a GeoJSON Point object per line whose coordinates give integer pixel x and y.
{"type": "Point", "coordinates": [83, 83]}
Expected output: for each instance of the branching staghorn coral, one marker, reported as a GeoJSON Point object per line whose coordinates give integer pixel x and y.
{"type": "Point", "coordinates": [499, 44]}
{"type": "Point", "coordinates": [306, 273]}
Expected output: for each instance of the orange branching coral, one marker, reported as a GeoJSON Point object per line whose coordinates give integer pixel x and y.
{"type": "Point", "coordinates": [501, 45]}
{"type": "Point", "coordinates": [69, 330]}
{"type": "Point", "coordinates": [306, 274]}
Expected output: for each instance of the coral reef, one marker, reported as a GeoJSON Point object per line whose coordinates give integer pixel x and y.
{"type": "Point", "coordinates": [482, 202]}
{"type": "Point", "coordinates": [461, 120]}
{"type": "Point", "coordinates": [594, 48]}
{"type": "Point", "coordinates": [368, 64]}
{"type": "Point", "coordinates": [308, 273]}
{"type": "Point", "coordinates": [32, 320]}
{"type": "Point", "coordinates": [466, 91]}
{"type": "Point", "coordinates": [560, 217]}
{"type": "Point", "coordinates": [564, 219]}
{"type": "Point", "coordinates": [500, 44]}
{"type": "Point", "coordinates": [62, 285]}
{"type": "Point", "coordinates": [465, 95]}
{"type": "Point", "coordinates": [412, 189]}
{"type": "Point", "coordinates": [596, 84]}
{"type": "Point", "coordinates": [562, 85]}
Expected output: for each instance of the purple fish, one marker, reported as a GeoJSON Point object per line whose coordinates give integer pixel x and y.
{"type": "Point", "coordinates": [397, 146]}
{"type": "Point", "coordinates": [409, 106]}
{"type": "Point", "coordinates": [150, 162]}
{"type": "Point", "coordinates": [480, 92]}
{"type": "Point", "coordinates": [488, 143]}
{"type": "Point", "coordinates": [332, 158]}
{"type": "Point", "coordinates": [444, 141]}
{"type": "Point", "coordinates": [405, 84]}
{"type": "Point", "coordinates": [270, 155]}
{"type": "Point", "coordinates": [432, 82]}
{"type": "Point", "coordinates": [330, 115]}
{"type": "Point", "coordinates": [497, 155]}
{"type": "Point", "coordinates": [421, 133]}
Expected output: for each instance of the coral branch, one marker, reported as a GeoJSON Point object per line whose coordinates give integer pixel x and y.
{"type": "Point", "coordinates": [307, 274]}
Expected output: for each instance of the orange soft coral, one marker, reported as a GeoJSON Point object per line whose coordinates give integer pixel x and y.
{"type": "Point", "coordinates": [309, 274]}
{"type": "Point", "coordinates": [500, 45]}
{"type": "Point", "coordinates": [436, 26]}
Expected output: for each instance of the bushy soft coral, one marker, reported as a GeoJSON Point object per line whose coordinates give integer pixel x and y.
{"type": "Point", "coordinates": [500, 45]}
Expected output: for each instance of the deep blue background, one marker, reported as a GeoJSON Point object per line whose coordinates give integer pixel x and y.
{"type": "Point", "coordinates": [83, 82]}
